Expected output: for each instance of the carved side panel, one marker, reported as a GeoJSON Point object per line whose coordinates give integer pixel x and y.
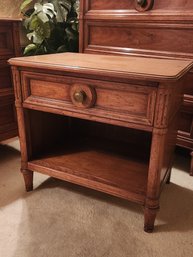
{"type": "Point", "coordinates": [169, 101]}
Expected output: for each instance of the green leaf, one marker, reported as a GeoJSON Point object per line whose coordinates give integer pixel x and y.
{"type": "Point", "coordinates": [48, 6]}
{"type": "Point", "coordinates": [38, 7]}
{"type": "Point", "coordinates": [33, 23]}
{"type": "Point", "coordinates": [25, 4]}
{"type": "Point", "coordinates": [29, 48]}
{"type": "Point", "coordinates": [35, 37]}
{"type": "Point", "coordinates": [43, 17]}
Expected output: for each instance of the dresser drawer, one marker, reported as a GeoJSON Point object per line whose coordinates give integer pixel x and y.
{"type": "Point", "coordinates": [118, 37]}
{"type": "Point", "coordinates": [100, 100]}
{"type": "Point", "coordinates": [109, 4]}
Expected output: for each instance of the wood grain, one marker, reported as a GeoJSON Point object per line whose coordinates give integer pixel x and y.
{"type": "Point", "coordinates": [138, 67]}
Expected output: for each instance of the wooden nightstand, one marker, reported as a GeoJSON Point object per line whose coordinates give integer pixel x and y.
{"type": "Point", "coordinates": [104, 122]}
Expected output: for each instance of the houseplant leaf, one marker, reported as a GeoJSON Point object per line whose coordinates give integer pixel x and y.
{"type": "Point", "coordinates": [25, 4]}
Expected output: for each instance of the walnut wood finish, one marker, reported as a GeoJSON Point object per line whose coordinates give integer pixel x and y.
{"type": "Point", "coordinates": [118, 27]}
{"type": "Point", "coordinates": [9, 47]}
{"type": "Point", "coordinates": [121, 144]}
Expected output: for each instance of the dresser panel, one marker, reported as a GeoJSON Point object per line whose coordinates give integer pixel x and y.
{"type": "Point", "coordinates": [6, 40]}
{"type": "Point", "coordinates": [7, 112]}
{"type": "Point", "coordinates": [5, 77]}
{"type": "Point", "coordinates": [9, 47]}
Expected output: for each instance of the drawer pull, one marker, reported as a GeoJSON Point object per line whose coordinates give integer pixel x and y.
{"type": "Point", "coordinates": [141, 2]}
{"type": "Point", "coordinates": [143, 5]}
{"type": "Point", "coordinates": [79, 96]}
{"type": "Point", "coordinates": [83, 95]}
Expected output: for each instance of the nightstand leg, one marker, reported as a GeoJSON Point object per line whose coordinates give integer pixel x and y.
{"type": "Point", "coordinates": [28, 179]}
{"type": "Point", "coordinates": [169, 177]}
{"type": "Point", "coordinates": [191, 167]}
{"type": "Point", "coordinates": [149, 219]}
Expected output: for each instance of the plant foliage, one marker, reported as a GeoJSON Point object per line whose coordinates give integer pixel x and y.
{"type": "Point", "coordinates": [51, 26]}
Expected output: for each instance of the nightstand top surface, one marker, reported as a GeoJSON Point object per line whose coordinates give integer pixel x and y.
{"type": "Point", "coordinates": [105, 65]}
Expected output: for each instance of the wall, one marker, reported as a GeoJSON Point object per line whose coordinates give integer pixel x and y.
{"type": "Point", "coordinates": [9, 8]}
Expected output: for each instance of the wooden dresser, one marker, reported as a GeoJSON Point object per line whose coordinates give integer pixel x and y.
{"type": "Point", "coordinates": [143, 28]}
{"type": "Point", "coordinates": [9, 47]}
{"type": "Point", "coordinates": [104, 122]}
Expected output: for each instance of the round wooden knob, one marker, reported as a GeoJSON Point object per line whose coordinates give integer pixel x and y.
{"type": "Point", "coordinates": [143, 5]}
{"type": "Point", "coordinates": [79, 96]}
{"type": "Point", "coordinates": [141, 2]}
{"type": "Point", "coordinates": [82, 95]}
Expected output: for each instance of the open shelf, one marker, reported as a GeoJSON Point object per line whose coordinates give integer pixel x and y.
{"type": "Point", "coordinates": [95, 166]}
{"type": "Point", "coordinates": [92, 154]}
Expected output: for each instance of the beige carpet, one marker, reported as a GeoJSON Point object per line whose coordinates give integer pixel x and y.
{"type": "Point", "coordinates": [58, 219]}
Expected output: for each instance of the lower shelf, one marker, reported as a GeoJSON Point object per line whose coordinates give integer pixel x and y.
{"type": "Point", "coordinates": [96, 167]}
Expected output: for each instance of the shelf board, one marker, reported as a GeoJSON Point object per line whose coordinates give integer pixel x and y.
{"type": "Point", "coordinates": [96, 167]}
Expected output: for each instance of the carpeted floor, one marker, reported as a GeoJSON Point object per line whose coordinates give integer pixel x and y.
{"type": "Point", "coordinates": [59, 219]}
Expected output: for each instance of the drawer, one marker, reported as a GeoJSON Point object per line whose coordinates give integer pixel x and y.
{"type": "Point", "coordinates": [130, 4]}
{"type": "Point", "coordinates": [102, 101]}
{"type": "Point", "coordinates": [6, 40]}
{"type": "Point", "coordinates": [109, 4]}
{"type": "Point", "coordinates": [112, 36]}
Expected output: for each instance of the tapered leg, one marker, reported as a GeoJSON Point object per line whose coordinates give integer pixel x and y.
{"type": "Point", "coordinates": [191, 167]}
{"type": "Point", "coordinates": [169, 177]}
{"type": "Point", "coordinates": [149, 219]}
{"type": "Point", "coordinates": [28, 179]}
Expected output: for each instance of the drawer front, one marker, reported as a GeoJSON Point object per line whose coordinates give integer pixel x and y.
{"type": "Point", "coordinates": [117, 37]}
{"type": "Point", "coordinates": [106, 100]}
{"type": "Point", "coordinates": [6, 40]}
{"type": "Point", "coordinates": [109, 4]}
{"type": "Point", "coordinates": [130, 4]}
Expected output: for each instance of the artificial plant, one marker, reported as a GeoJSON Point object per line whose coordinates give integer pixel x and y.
{"type": "Point", "coordinates": [51, 26]}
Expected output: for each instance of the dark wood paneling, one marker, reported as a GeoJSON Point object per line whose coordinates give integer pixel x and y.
{"type": "Point", "coordinates": [6, 40]}
{"type": "Point", "coordinates": [5, 77]}
{"type": "Point", "coordinates": [9, 47]}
